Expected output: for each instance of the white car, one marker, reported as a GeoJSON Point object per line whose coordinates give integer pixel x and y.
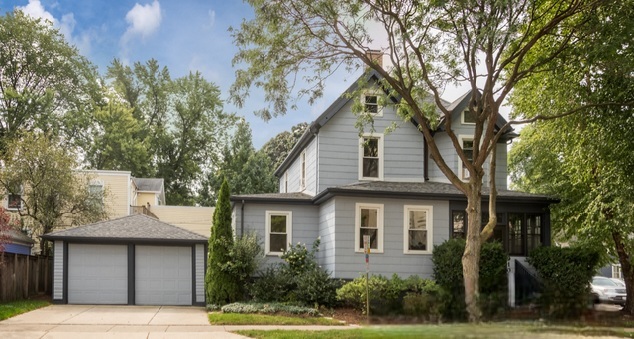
{"type": "Point", "coordinates": [605, 290]}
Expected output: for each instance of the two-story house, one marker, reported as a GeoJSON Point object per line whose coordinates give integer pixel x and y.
{"type": "Point", "coordinates": [340, 185]}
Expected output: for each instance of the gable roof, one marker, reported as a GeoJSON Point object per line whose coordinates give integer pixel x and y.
{"type": "Point", "coordinates": [149, 184]}
{"type": "Point", "coordinates": [136, 227]}
{"type": "Point", "coordinates": [16, 237]}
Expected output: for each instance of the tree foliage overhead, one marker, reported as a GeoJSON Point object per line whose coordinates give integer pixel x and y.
{"type": "Point", "coordinates": [278, 148]}
{"type": "Point", "coordinates": [430, 45]}
{"type": "Point", "coordinates": [42, 174]}
{"type": "Point", "coordinates": [45, 84]}
{"type": "Point", "coordinates": [586, 160]}
{"type": "Point", "coordinates": [179, 123]}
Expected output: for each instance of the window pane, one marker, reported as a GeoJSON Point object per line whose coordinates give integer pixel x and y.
{"type": "Point", "coordinates": [418, 220]}
{"type": "Point", "coordinates": [515, 234]}
{"type": "Point", "coordinates": [278, 223]}
{"type": "Point", "coordinates": [277, 242]}
{"type": "Point", "coordinates": [469, 117]}
{"type": "Point", "coordinates": [371, 168]}
{"type": "Point", "coordinates": [14, 201]}
{"type": "Point", "coordinates": [417, 240]}
{"type": "Point", "coordinates": [369, 217]}
{"type": "Point", "coordinates": [370, 147]}
{"type": "Point", "coordinates": [371, 104]}
{"type": "Point", "coordinates": [374, 237]}
{"type": "Point", "coordinates": [458, 220]}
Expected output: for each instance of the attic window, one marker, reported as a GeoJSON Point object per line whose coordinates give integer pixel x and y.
{"type": "Point", "coordinates": [371, 105]}
{"type": "Point", "coordinates": [468, 118]}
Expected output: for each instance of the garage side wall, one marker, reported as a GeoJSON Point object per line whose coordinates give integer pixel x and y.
{"type": "Point", "coordinates": [199, 277]}
{"type": "Point", "coordinates": [58, 272]}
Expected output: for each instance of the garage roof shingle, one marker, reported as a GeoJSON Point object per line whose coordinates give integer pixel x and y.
{"type": "Point", "coordinates": [132, 227]}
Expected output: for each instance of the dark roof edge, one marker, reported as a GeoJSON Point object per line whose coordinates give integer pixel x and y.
{"type": "Point", "coordinates": [330, 192]}
{"type": "Point", "coordinates": [265, 200]}
{"type": "Point", "coordinates": [316, 125]}
{"type": "Point", "coordinates": [113, 240]}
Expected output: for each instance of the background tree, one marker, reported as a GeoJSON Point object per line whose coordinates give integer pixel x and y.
{"type": "Point", "coordinates": [40, 174]}
{"type": "Point", "coordinates": [181, 124]}
{"type": "Point", "coordinates": [586, 160]}
{"type": "Point", "coordinates": [246, 170]}
{"type": "Point", "coordinates": [430, 44]}
{"type": "Point", "coordinates": [6, 226]}
{"type": "Point", "coordinates": [222, 287]}
{"type": "Point", "coordinates": [278, 148]}
{"type": "Point", "coordinates": [45, 84]}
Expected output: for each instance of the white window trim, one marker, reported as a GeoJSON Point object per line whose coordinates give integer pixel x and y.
{"type": "Point", "coordinates": [460, 172]}
{"type": "Point", "coordinates": [380, 138]}
{"type": "Point", "coordinates": [379, 108]}
{"type": "Point", "coordinates": [289, 230]}
{"type": "Point", "coordinates": [430, 228]}
{"type": "Point", "coordinates": [21, 194]}
{"type": "Point", "coordinates": [462, 120]}
{"type": "Point", "coordinates": [302, 170]}
{"type": "Point", "coordinates": [358, 246]}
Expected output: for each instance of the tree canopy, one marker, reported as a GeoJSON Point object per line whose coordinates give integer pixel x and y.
{"type": "Point", "coordinates": [586, 160]}
{"type": "Point", "coordinates": [484, 44]}
{"type": "Point", "coordinates": [45, 84]}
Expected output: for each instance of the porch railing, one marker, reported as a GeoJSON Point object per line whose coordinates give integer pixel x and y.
{"type": "Point", "coordinates": [527, 285]}
{"type": "Point", "coordinates": [142, 210]}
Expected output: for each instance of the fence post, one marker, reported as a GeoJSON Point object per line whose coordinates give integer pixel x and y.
{"type": "Point", "coordinates": [28, 274]}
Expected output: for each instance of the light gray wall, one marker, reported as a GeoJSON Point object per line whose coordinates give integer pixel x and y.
{"type": "Point", "coordinates": [305, 223]}
{"type": "Point", "coordinates": [200, 273]}
{"type": "Point", "coordinates": [58, 270]}
{"type": "Point", "coordinates": [349, 264]}
{"type": "Point", "coordinates": [294, 171]}
{"type": "Point", "coordinates": [339, 147]}
{"type": "Point", "coordinates": [327, 251]}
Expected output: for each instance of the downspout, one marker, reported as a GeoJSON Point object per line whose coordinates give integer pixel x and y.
{"type": "Point", "coordinates": [242, 219]}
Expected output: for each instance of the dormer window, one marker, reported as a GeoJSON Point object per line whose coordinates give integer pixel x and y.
{"type": "Point", "coordinates": [468, 118]}
{"type": "Point", "coordinates": [370, 101]}
{"type": "Point", "coordinates": [371, 157]}
{"type": "Point", "coordinates": [467, 148]}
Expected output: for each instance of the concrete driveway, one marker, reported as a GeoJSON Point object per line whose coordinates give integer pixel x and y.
{"type": "Point", "coordinates": [88, 321]}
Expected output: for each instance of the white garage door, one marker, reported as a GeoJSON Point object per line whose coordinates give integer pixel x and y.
{"type": "Point", "coordinates": [97, 274]}
{"type": "Point", "coordinates": [163, 275]}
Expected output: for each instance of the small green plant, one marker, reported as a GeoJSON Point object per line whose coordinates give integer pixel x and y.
{"type": "Point", "coordinates": [269, 308]}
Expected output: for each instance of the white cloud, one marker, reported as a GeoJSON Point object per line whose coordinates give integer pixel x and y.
{"type": "Point", "coordinates": [35, 9]}
{"type": "Point", "coordinates": [143, 20]}
{"type": "Point", "coordinates": [66, 26]}
{"type": "Point", "coordinates": [212, 18]}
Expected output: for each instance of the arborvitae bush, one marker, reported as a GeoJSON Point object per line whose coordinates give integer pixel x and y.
{"type": "Point", "coordinates": [447, 259]}
{"type": "Point", "coordinates": [221, 287]}
{"type": "Point", "coordinates": [565, 274]}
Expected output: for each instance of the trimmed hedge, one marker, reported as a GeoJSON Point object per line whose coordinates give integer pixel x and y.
{"type": "Point", "coordinates": [447, 259]}
{"type": "Point", "coordinates": [269, 308]}
{"type": "Point", "coordinates": [565, 274]}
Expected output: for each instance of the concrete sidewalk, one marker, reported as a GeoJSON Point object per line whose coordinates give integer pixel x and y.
{"type": "Point", "coordinates": [155, 322]}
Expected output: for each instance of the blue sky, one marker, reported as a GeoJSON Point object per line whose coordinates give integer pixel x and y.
{"type": "Point", "coordinates": [182, 35]}
{"type": "Point", "coordinates": [185, 35]}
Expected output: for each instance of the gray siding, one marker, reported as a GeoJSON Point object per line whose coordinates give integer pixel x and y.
{"type": "Point", "coordinates": [200, 273]}
{"type": "Point", "coordinates": [327, 249]}
{"type": "Point", "coordinates": [349, 264]}
{"type": "Point", "coordinates": [305, 219]}
{"type": "Point", "coordinates": [58, 271]}
{"type": "Point", "coordinates": [295, 171]}
{"type": "Point", "coordinates": [339, 145]}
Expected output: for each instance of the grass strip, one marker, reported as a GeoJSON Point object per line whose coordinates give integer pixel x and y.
{"type": "Point", "coordinates": [13, 308]}
{"type": "Point", "coordinates": [266, 319]}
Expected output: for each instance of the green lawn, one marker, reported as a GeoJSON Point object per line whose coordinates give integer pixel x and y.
{"type": "Point", "coordinates": [265, 319]}
{"type": "Point", "coordinates": [13, 308]}
{"type": "Point", "coordinates": [497, 330]}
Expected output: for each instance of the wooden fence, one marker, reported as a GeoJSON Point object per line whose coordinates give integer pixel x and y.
{"type": "Point", "coordinates": [22, 276]}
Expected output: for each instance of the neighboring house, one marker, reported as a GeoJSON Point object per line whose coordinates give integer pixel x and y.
{"type": "Point", "coordinates": [16, 242]}
{"type": "Point", "coordinates": [131, 260]}
{"type": "Point", "coordinates": [339, 185]}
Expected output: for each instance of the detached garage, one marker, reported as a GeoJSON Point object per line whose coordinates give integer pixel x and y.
{"type": "Point", "coordinates": [134, 260]}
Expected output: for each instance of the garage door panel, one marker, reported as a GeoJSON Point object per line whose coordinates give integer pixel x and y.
{"type": "Point", "coordinates": [163, 275]}
{"type": "Point", "coordinates": [97, 274]}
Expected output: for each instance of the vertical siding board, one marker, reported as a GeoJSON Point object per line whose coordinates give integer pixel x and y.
{"type": "Point", "coordinates": [58, 270]}
{"type": "Point", "coordinates": [200, 273]}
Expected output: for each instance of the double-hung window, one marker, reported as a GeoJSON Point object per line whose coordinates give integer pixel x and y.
{"type": "Point", "coordinates": [14, 199]}
{"type": "Point", "coordinates": [417, 229]}
{"type": "Point", "coordinates": [96, 192]}
{"type": "Point", "coordinates": [467, 148]}
{"type": "Point", "coordinates": [369, 221]}
{"type": "Point", "coordinates": [278, 231]}
{"type": "Point", "coordinates": [371, 157]}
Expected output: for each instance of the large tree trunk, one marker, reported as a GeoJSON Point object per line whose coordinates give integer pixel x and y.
{"type": "Point", "coordinates": [471, 255]}
{"type": "Point", "coordinates": [628, 273]}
